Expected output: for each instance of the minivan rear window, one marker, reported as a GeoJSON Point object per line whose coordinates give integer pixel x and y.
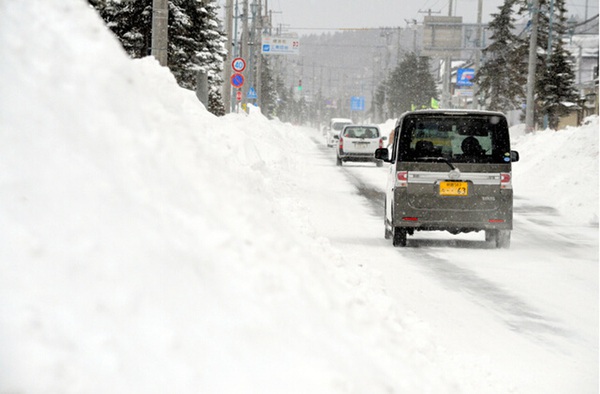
{"type": "Point", "coordinates": [339, 126]}
{"type": "Point", "coordinates": [458, 138]}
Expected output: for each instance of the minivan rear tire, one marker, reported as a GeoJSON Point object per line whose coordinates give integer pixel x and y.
{"type": "Point", "coordinates": [503, 239]}
{"type": "Point", "coordinates": [499, 238]}
{"type": "Point", "coordinates": [399, 237]}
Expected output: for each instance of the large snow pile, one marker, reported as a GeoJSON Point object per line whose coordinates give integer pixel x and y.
{"type": "Point", "coordinates": [148, 246]}
{"type": "Point", "coordinates": [561, 166]}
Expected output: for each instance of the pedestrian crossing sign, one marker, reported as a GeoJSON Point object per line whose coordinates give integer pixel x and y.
{"type": "Point", "coordinates": [251, 93]}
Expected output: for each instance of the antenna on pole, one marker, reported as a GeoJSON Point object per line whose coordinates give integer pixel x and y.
{"type": "Point", "coordinates": [429, 12]}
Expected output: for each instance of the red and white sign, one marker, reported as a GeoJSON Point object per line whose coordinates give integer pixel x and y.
{"type": "Point", "coordinates": [238, 95]}
{"type": "Point", "coordinates": [238, 64]}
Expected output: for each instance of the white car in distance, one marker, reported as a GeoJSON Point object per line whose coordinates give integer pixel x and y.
{"type": "Point", "coordinates": [358, 143]}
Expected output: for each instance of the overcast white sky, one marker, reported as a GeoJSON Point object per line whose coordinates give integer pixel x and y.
{"type": "Point", "coordinates": [310, 16]}
{"type": "Point", "coordinates": [371, 13]}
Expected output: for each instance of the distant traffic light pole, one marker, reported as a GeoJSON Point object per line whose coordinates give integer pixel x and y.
{"type": "Point", "coordinates": [160, 25]}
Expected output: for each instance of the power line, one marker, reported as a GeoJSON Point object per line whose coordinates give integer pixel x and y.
{"type": "Point", "coordinates": [336, 28]}
{"type": "Point", "coordinates": [342, 45]}
{"type": "Point", "coordinates": [586, 21]}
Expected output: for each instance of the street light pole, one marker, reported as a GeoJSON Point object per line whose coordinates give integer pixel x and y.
{"type": "Point", "coordinates": [479, 43]}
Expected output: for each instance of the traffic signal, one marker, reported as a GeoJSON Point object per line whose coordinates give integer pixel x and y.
{"type": "Point", "coordinates": [299, 84]}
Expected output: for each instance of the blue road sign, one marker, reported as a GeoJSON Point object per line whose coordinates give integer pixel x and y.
{"type": "Point", "coordinates": [237, 80]}
{"type": "Point", "coordinates": [252, 93]}
{"type": "Point", "coordinates": [357, 103]}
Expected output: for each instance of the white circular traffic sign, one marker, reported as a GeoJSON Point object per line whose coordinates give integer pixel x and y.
{"type": "Point", "coordinates": [238, 64]}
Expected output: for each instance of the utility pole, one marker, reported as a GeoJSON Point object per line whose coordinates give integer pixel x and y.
{"type": "Point", "coordinates": [160, 25]}
{"type": "Point", "coordinates": [244, 43]}
{"type": "Point", "coordinates": [258, 52]}
{"type": "Point", "coordinates": [529, 111]}
{"type": "Point", "coordinates": [549, 49]}
{"type": "Point", "coordinates": [229, 56]}
{"type": "Point", "coordinates": [446, 96]}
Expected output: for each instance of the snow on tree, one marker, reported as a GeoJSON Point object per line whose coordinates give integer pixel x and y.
{"type": "Point", "coordinates": [555, 80]}
{"type": "Point", "coordinates": [213, 54]}
{"type": "Point", "coordinates": [268, 89]}
{"type": "Point", "coordinates": [502, 80]}
{"type": "Point", "coordinates": [557, 85]}
{"type": "Point", "coordinates": [196, 41]}
{"type": "Point", "coordinates": [410, 85]}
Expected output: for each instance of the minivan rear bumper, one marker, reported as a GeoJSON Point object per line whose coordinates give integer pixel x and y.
{"type": "Point", "coordinates": [350, 156]}
{"type": "Point", "coordinates": [499, 217]}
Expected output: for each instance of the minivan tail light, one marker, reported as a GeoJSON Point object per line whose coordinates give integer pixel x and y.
{"type": "Point", "coordinates": [341, 143]}
{"type": "Point", "coordinates": [402, 179]}
{"type": "Point", "coordinates": [505, 180]}
{"type": "Point", "coordinates": [380, 143]}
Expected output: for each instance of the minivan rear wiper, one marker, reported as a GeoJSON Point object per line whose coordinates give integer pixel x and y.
{"type": "Point", "coordinates": [435, 159]}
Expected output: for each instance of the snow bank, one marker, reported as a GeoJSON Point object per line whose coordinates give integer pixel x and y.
{"type": "Point", "coordinates": [560, 170]}
{"type": "Point", "coordinates": [148, 246]}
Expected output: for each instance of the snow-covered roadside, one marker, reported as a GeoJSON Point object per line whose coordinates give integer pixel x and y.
{"type": "Point", "coordinates": [145, 252]}
{"type": "Point", "coordinates": [151, 247]}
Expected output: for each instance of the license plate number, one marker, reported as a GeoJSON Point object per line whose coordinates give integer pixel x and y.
{"type": "Point", "coordinates": [454, 189]}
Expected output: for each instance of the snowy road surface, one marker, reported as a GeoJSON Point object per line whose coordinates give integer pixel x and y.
{"type": "Point", "coordinates": [521, 313]}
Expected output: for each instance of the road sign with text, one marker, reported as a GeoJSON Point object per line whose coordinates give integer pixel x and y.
{"type": "Point", "coordinates": [280, 46]}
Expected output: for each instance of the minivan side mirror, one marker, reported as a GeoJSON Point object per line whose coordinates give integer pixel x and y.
{"type": "Point", "coordinates": [514, 156]}
{"type": "Point", "coordinates": [382, 154]}
{"type": "Point", "coordinates": [336, 137]}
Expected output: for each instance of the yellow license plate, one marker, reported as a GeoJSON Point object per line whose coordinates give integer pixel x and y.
{"type": "Point", "coordinates": [454, 189]}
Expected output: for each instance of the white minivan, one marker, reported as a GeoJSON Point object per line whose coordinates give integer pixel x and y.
{"type": "Point", "coordinates": [336, 125]}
